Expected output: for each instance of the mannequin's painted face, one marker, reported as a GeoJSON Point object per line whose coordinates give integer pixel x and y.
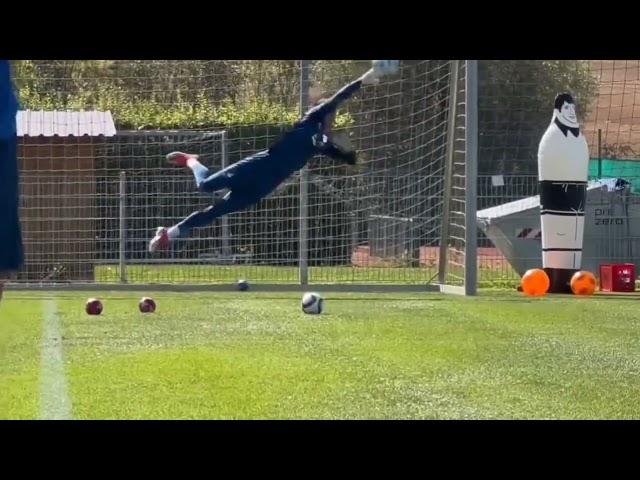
{"type": "Point", "coordinates": [568, 114]}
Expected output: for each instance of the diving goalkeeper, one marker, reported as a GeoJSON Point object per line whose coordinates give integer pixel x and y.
{"type": "Point", "coordinates": [252, 179]}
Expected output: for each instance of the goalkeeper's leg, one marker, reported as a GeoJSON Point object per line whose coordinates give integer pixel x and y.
{"type": "Point", "coordinates": [232, 202]}
{"type": "Point", "coordinates": [205, 181]}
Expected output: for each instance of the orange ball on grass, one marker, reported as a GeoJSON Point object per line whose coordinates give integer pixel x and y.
{"type": "Point", "coordinates": [583, 283]}
{"type": "Point", "coordinates": [535, 282]}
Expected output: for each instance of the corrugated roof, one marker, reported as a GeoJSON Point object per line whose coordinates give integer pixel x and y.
{"type": "Point", "coordinates": [64, 124]}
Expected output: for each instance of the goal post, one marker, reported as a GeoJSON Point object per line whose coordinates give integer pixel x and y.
{"type": "Point", "coordinates": [457, 266]}
{"type": "Point", "coordinates": [471, 179]}
{"type": "Point", "coordinates": [303, 261]}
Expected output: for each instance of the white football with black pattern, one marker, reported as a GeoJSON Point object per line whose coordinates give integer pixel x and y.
{"type": "Point", "coordinates": [312, 303]}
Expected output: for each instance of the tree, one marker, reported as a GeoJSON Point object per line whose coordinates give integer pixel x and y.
{"type": "Point", "coordinates": [515, 107]}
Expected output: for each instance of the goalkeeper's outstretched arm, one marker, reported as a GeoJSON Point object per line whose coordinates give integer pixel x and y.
{"type": "Point", "coordinates": [329, 107]}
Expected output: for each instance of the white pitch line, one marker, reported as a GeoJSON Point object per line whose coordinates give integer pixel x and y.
{"type": "Point", "coordinates": [54, 397]}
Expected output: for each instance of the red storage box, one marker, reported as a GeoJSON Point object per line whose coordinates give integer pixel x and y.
{"type": "Point", "coordinates": [618, 277]}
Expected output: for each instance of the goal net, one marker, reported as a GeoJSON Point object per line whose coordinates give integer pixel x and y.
{"type": "Point", "coordinates": [94, 192]}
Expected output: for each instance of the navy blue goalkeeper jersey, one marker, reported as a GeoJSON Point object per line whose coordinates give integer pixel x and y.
{"type": "Point", "coordinates": [298, 145]}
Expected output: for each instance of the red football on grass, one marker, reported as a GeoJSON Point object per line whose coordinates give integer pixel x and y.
{"type": "Point", "coordinates": [147, 305]}
{"type": "Point", "coordinates": [93, 306]}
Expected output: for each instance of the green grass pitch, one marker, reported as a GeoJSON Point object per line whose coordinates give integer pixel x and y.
{"type": "Point", "coordinates": [383, 356]}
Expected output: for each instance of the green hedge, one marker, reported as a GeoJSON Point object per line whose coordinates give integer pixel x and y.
{"type": "Point", "coordinates": [136, 114]}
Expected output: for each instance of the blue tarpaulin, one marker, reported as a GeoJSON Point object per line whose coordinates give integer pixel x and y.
{"type": "Point", "coordinates": [11, 253]}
